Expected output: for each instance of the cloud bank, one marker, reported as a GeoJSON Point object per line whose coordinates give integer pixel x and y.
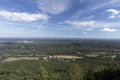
{"type": "Point", "coordinates": [53, 6]}
{"type": "Point", "coordinates": [81, 23]}
{"type": "Point", "coordinates": [109, 30]}
{"type": "Point", "coordinates": [22, 16]}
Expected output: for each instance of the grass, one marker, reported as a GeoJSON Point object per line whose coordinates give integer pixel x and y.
{"type": "Point", "coordinates": [92, 55]}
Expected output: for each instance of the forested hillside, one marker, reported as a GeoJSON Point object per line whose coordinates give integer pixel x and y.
{"type": "Point", "coordinates": [55, 70]}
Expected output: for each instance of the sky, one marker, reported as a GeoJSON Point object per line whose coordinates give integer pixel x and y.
{"type": "Point", "coordinates": [60, 18]}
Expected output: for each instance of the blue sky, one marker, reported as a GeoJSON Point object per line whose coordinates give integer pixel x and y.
{"type": "Point", "coordinates": [60, 18]}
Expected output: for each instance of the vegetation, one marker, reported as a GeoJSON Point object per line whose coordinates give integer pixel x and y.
{"type": "Point", "coordinates": [55, 70]}
{"type": "Point", "coordinates": [36, 60]}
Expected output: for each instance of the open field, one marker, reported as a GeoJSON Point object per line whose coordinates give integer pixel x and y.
{"type": "Point", "coordinates": [92, 55]}
{"type": "Point", "coordinates": [10, 59]}
{"type": "Point", "coordinates": [65, 57]}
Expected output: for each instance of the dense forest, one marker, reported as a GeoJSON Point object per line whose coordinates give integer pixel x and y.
{"type": "Point", "coordinates": [55, 70]}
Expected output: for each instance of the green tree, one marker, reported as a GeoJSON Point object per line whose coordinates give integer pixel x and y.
{"type": "Point", "coordinates": [75, 72]}
{"type": "Point", "coordinates": [43, 73]}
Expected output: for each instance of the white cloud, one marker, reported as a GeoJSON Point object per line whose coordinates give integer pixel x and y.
{"type": "Point", "coordinates": [89, 29]}
{"type": "Point", "coordinates": [53, 6]}
{"type": "Point", "coordinates": [109, 30]}
{"type": "Point", "coordinates": [103, 24]}
{"type": "Point", "coordinates": [111, 17]}
{"type": "Point", "coordinates": [22, 17]}
{"type": "Point", "coordinates": [106, 3]}
{"type": "Point", "coordinates": [92, 24]}
{"type": "Point", "coordinates": [113, 12]}
{"type": "Point", "coordinates": [80, 23]}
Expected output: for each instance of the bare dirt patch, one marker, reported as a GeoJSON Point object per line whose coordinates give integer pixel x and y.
{"type": "Point", "coordinates": [20, 58]}
{"type": "Point", "coordinates": [65, 57]}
